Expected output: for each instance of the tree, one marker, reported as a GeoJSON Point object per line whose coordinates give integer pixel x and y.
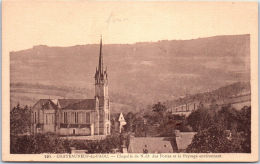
{"type": "Point", "coordinates": [213, 140]}
{"type": "Point", "coordinates": [244, 127]}
{"type": "Point", "coordinates": [159, 108]}
{"type": "Point", "coordinates": [20, 120]}
{"type": "Point", "coordinates": [228, 117]}
{"type": "Point", "coordinates": [200, 119]}
{"type": "Point", "coordinates": [159, 113]}
{"type": "Point", "coordinates": [130, 119]}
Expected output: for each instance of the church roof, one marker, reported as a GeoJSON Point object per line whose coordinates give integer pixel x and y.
{"type": "Point", "coordinates": [41, 102]}
{"type": "Point", "coordinates": [49, 105]}
{"type": "Point", "coordinates": [85, 104]}
{"type": "Point", "coordinates": [66, 104]}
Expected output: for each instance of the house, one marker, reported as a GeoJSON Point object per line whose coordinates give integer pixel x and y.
{"type": "Point", "coordinates": [121, 121]}
{"type": "Point", "coordinates": [118, 121]}
{"type": "Point", "coordinates": [149, 145]}
{"type": "Point", "coordinates": [237, 101]}
{"type": "Point", "coordinates": [184, 109]}
{"type": "Point", "coordinates": [240, 100]}
{"type": "Point", "coordinates": [76, 116]}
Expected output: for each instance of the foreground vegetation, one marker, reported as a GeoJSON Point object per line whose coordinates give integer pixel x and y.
{"type": "Point", "coordinates": [51, 143]}
{"type": "Point", "coordinates": [220, 129]}
{"type": "Point", "coordinates": [212, 127]}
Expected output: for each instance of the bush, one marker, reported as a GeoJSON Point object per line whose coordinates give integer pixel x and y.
{"type": "Point", "coordinates": [51, 143]}
{"type": "Point", "coordinates": [40, 143]}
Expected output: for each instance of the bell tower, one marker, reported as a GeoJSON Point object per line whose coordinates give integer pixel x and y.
{"type": "Point", "coordinates": [102, 119]}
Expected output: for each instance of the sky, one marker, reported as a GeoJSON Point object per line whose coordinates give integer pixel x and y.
{"type": "Point", "coordinates": [66, 23]}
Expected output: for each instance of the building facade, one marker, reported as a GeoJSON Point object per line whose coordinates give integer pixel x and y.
{"type": "Point", "coordinates": [118, 121]}
{"type": "Point", "coordinates": [240, 100]}
{"type": "Point", "coordinates": [237, 102]}
{"type": "Point", "coordinates": [184, 109]}
{"type": "Point", "coordinates": [75, 116]}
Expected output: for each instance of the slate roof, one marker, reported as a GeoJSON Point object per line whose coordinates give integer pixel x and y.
{"type": "Point", "coordinates": [49, 105]}
{"type": "Point", "coordinates": [66, 104]}
{"type": "Point", "coordinates": [40, 102]}
{"type": "Point", "coordinates": [184, 139]}
{"type": "Point", "coordinates": [149, 145]}
{"type": "Point", "coordinates": [85, 104]}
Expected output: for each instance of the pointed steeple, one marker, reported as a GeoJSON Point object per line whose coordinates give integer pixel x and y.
{"type": "Point", "coordinates": [100, 63]}
{"type": "Point", "coordinates": [101, 74]}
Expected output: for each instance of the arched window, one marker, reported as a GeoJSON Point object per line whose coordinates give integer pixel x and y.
{"type": "Point", "coordinates": [107, 129]}
{"type": "Point", "coordinates": [65, 117]}
{"type": "Point", "coordinates": [35, 117]}
{"type": "Point", "coordinates": [87, 117]}
{"type": "Point", "coordinates": [76, 117]}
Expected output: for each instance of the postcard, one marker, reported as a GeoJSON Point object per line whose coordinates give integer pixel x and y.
{"type": "Point", "coordinates": [129, 81]}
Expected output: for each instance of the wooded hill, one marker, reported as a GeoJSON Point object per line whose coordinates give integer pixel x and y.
{"type": "Point", "coordinates": [221, 94]}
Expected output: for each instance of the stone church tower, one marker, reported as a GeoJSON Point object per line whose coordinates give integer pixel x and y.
{"type": "Point", "coordinates": [102, 116]}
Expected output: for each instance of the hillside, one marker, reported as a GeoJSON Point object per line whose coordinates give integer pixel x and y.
{"type": "Point", "coordinates": [29, 94]}
{"type": "Point", "coordinates": [139, 74]}
{"type": "Point", "coordinates": [219, 95]}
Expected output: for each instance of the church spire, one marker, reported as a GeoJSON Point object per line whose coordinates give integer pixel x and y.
{"type": "Point", "coordinates": [101, 74]}
{"type": "Point", "coordinates": [100, 64]}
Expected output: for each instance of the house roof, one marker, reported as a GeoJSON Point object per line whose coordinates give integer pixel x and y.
{"type": "Point", "coordinates": [149, 145]}
{"type": "Point", "coordinates": [184, 139]}
{"type": "Point", "coordinates": [66, 104]}
{"type": "Point", "coordinates": [121, 117]}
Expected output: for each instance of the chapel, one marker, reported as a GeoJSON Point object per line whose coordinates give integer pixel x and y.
{"type": "Point", "coordinates": [76, 116]}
